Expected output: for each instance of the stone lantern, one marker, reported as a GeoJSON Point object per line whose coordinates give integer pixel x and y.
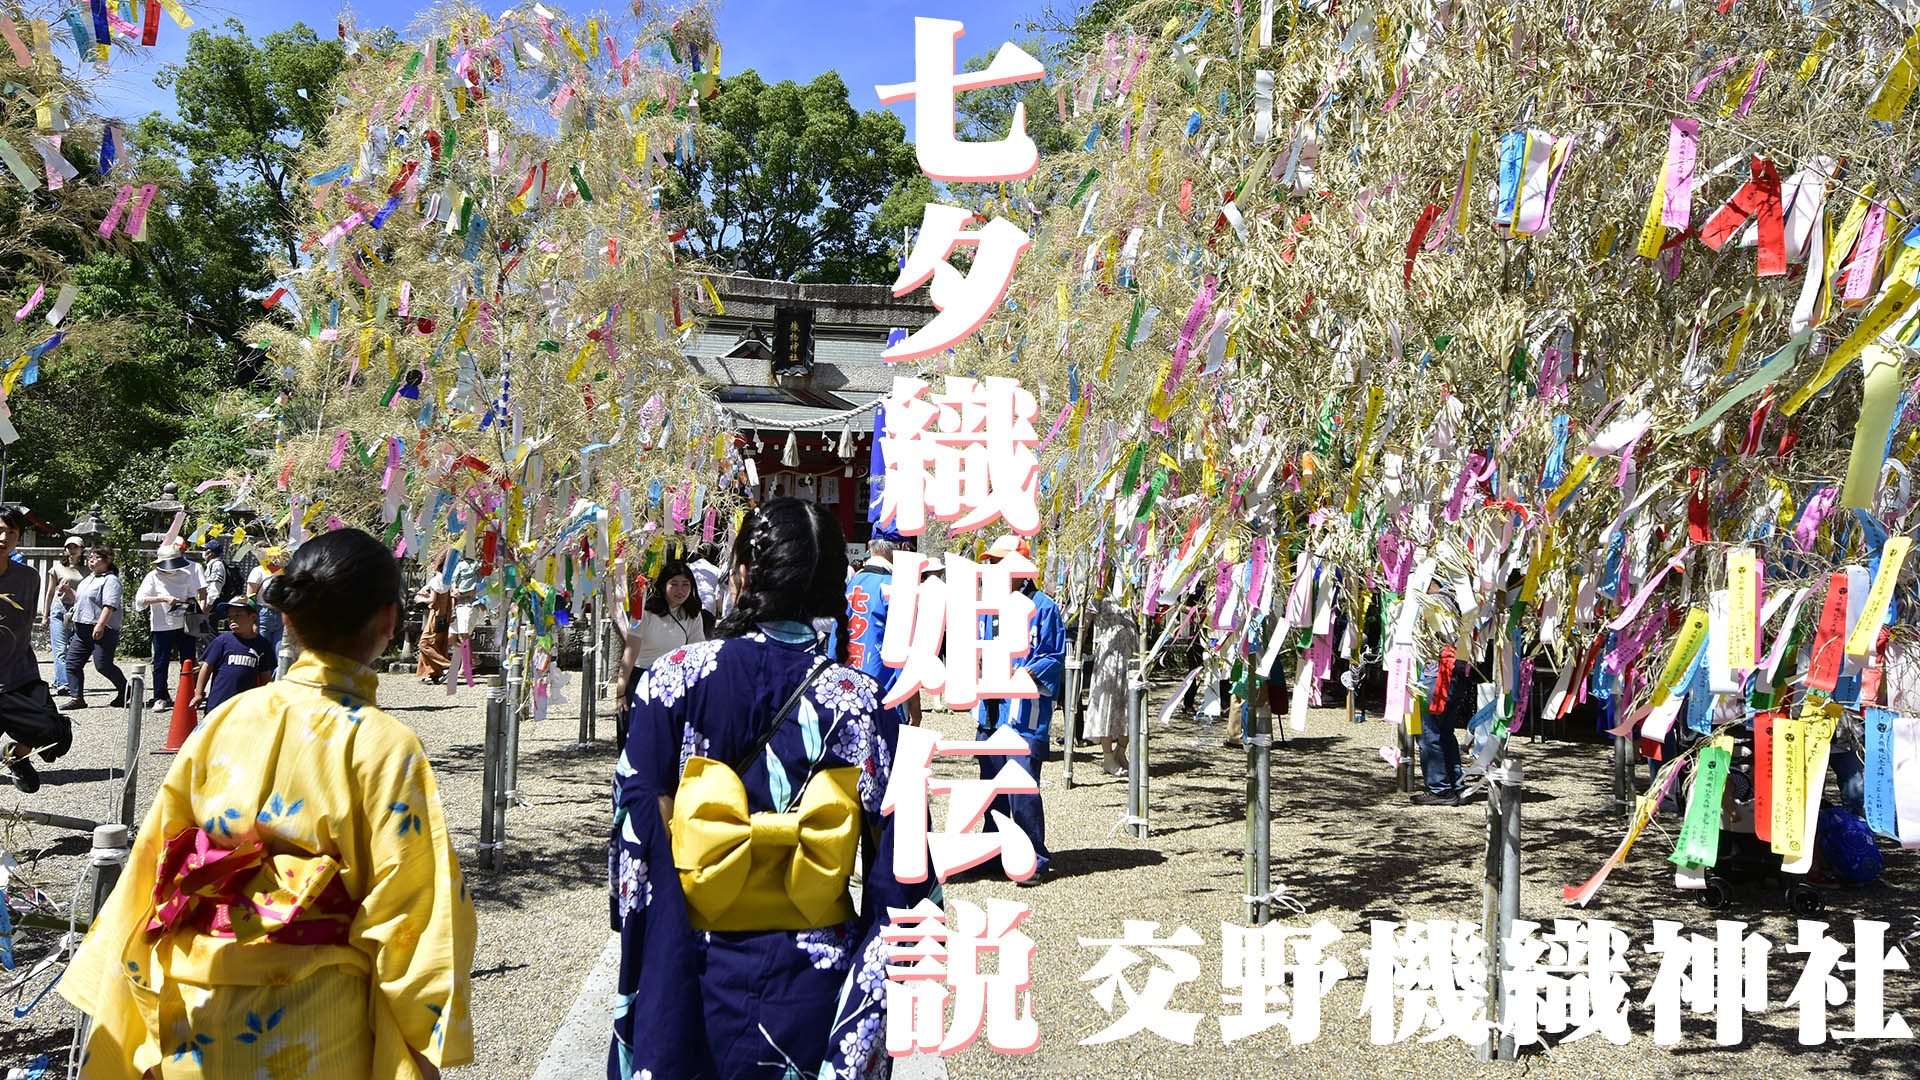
{"type": "Point", "coordinates": [89, 527]}
{"type": "Point", "coordinates": [161, 513]}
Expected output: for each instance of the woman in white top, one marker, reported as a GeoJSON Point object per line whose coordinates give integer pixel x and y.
{"type": "Point", "coordinates": [62, 581]}
{"type": "Point", "coordinates": [670, 619]}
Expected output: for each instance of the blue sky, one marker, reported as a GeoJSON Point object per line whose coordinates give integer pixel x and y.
{"type": "Point", "coordinates": [867, 41]}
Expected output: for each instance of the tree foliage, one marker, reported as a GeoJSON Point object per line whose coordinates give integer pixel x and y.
{"type": "Point", "coordinates": [793, 183]}
{"type": "Point", "coordinates": [245, 109]}
{"type": "Point", "coordinates": [144, 400]}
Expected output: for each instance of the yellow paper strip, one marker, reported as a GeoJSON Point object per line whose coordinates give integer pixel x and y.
{"type": "Point", "coordinates": [1879, 397]}
{"type": "Point", "coordinates": [1873, 613]}
{"type": "Point", "coordinates": [1652, 233]}
{"type": "Point", "coordinates": [1899, 296]}
{"type": "Point", "coordinates": [1743, 599]}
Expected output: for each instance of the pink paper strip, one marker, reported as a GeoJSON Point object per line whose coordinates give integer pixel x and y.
{"type": "Point", "coordinates": [112, 220]}
{"type": "Point", "coordinates": [137, 217]}
{"type": "Point", "coordinates": [1683, 148]}
{"type": "Point", "coordinates": [33, 301]}
{"type": "Point", "coordinates": [1678, 561]}
{"type": "Point", "coordinates": [1058, 421]}
{"type": "Point", "coordinates": [1701, 86]}
{"type": "Point", "coordinates": [339, 449]}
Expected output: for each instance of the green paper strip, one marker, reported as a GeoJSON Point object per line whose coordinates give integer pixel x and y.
{"type": "Point", "coordinates": [1153, 495]}
{"type": "Point", "coordinates": [17, 165]}
{"type": "Point", "coordinates": [1777, 365]}
{"type": "Point", "coordinates": [1092, 175]}
{"type": "Point", "coordinates": [1133, 327]}
{"type": "Point", "coordinates": [1700, 833]}
{"type": "Point", "coordinates": [580, 182]}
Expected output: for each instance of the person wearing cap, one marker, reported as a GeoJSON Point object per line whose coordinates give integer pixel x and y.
{"type": "Point", "coordinates": [1031, 718]}
{"type": "Point", "coordinates": [869, 595]}
{"type": "Point", "coordinates": [237, 660]}
{"type": "Point", "coordinates": [57, 606]}
{"type": "Point", "coordinates": [222, 582]}
{"type": "Point", "coordinates": [166, 592]}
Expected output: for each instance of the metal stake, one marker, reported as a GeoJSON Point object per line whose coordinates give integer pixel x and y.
{"type": "Point", "coordinates": [492, 761]}
{"type": "Point", "coordinates": [130, 773]}
{"type": "Point", "coordinates": [1076, 716]}
{"type": "Point", "coordinates": [1501, 907]}
{"type": "Point", "coordinates": [1261, 744]}
{"type": "Point", "coordinates": [589, 693]}
{"type": "Point", "coordinates": [1137, 755]}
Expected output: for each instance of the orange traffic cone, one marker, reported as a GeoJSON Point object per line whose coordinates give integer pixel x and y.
{"type": "Point", "coordinates": [185, 718]}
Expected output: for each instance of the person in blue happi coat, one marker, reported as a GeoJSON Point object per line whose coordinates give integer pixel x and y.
{"type": "Point", "coordinates": [869, 598]}
{"type": "Point", "coordinates": [1031, 718]}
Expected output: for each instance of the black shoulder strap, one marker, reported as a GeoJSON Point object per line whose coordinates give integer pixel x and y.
{"type": "Point", "coordinates": [793, 700]}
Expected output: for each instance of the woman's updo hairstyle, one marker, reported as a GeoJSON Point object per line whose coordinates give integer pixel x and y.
{"type": "Point", "coordinates": [333, 586]}
{"type": "Point", "coordinates": [796, 561]}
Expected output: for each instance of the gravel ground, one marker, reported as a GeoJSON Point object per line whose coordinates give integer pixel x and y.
{"type": "Point", "coordinates": [1353, 850]}
{"type": "Point", "coordinates": [1344, 842]}
{"type": "Point", "coordinates": [542, 918]}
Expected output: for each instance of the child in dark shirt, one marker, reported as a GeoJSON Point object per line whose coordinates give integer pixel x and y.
{"type": "Point", "coordinates": [236, 661]}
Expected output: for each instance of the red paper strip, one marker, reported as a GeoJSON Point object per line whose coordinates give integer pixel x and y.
{"type": "Point", "coordinates": [1758, 199]}
{"type": "Point", "coordinates": [150, 30]}
{"type": "Point", "coordinates": [1763, 774]}
{"type": "Point", "coordinates": [1829, 640]}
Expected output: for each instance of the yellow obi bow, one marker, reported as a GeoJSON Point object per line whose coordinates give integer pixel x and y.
{"type": "Point", "coordinates": [764, 871]}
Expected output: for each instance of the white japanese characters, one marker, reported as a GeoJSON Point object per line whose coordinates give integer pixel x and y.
{"type": "Point", "coordinates": [954, 848]}
{"type": "Point", "coordinates": [964, 300]}
{"type": "Point", "coordinates": [966, 455]}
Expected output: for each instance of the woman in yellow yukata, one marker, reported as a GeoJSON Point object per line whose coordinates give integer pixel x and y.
{"type": "Point", "coordinates": [292, 906]}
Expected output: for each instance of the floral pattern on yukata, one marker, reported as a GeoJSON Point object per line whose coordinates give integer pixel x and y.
{"type": "Point", "coordinates": [817, 1009]}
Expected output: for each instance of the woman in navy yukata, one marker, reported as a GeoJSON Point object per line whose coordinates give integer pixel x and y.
{"type": "Point", "coordinates": [755, 765]}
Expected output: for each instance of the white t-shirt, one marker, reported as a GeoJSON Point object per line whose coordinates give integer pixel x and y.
{"type": "Point", "coordinates": [257, 580]}
{"type": "Point", "coordinates": [185, 583]}
{"type": "Point", "coordinates": [654, 636]}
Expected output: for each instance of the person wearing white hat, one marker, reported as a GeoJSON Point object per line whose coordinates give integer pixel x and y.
{"type": "Point", "coordinates": [169, 591]}
{"type": "Point", "coordinates": [57, 605]}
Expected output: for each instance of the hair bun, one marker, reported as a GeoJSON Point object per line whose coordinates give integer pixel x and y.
{"type": "Point", "coordinates": [286, 591]}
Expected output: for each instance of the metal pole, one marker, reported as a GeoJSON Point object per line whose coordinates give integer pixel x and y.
{"type": "Point", "coordinates": [130, 772]}
{"type": "Point", "coordinates": [1501, 900]}
{"type": "Point", "coordinates": [1137, 755]}
{"type": "Point", "coordinates": [110, 849]}
{"type": "Point", "coordinates": [589, 693]}
{"type": "Point", "coordinates": [1409, 755]}
{"type": "Point", "coordinates": [1250, 882]}
{"type": "Point", "coordinates": [1510, 879]}
{"type": "Point", "coordinates": [110, 846]}
{"type": "Point", "coordinates": [490, 768]}
{"type": "Point", "coordinates": [1261, 740]}
{"type": "Point", "coordinates": [1074, 710]}
{"type": "Point", "coordinates": [516, 699]}
{"type": "Point", "coordinates": [1623, 773]}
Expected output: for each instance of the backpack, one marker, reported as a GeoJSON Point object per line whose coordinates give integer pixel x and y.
{"type": "Point", "coordinates": [231, 583]}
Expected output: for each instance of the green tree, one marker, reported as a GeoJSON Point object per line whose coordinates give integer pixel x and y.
{"type": "Point", "coordinates": [228, 163]}
{"type": "Point", "coordinates": [143, 400]}
{"type": "Point", "coordinates": [792, 183]}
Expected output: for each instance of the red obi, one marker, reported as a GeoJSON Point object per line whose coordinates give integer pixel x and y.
{"type": "Point", "coordinates": [245, 894]}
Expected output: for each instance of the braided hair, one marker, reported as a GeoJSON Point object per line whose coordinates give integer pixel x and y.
{"type": "Point", "coordinates": [795, 557]}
